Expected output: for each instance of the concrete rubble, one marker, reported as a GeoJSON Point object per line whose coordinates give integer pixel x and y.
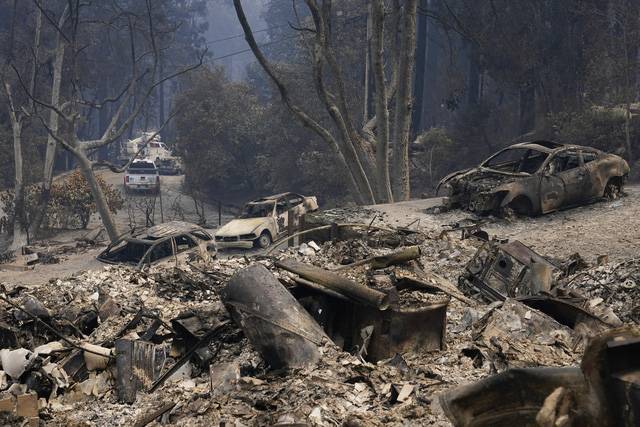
{"type": "Point", "coordinates": [163, 347]}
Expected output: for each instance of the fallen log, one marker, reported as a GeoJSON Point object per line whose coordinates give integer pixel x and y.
{"type": "Point", "coordinates": [319, 288]}
{"type": "Point", "coordinates": [382, 261]}
{"type": "Point", "coordinates": [338, 283]}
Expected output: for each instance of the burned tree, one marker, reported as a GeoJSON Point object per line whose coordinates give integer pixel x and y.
{"type": "Point", "coordinates": [360, 148]}
{"type": "Point", "coordinates": [140, 34]}
{"type": "Point", "coordinates": [20, 112]}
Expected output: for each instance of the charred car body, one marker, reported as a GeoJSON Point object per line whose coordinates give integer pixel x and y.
{"type": "Point", "coordinates": [536, 177]}
{"type": "Point", "coordinates": [163, 242]}
{"type": "Point", "coordinates": [264, 220]}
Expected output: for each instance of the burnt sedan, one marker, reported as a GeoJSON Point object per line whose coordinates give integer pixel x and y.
{"type": "Point", "coordinates": [534, 178]}
{"type": "Point", "coordinates": [161, 244]}
{"type": "Point", "coordinates": [264, 220]}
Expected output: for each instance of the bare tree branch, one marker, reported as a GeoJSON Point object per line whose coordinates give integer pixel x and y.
{"type": "Point", "coordinates": [286, 99]}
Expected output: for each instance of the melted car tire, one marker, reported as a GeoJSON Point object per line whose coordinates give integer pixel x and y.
{"type": "Point", "coordinates": [264, 240]}
{"type": "Point", "coordinates": [520, 206]}
{"type": "Point", "coordinates": [611, 191]}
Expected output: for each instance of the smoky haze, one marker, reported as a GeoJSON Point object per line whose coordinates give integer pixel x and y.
{"type": "Point", "coordinates": [225, 37]}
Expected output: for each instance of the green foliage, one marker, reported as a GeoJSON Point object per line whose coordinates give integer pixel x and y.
{"type": "Point", "coordinates": [32, 197]}
{"type": "Point", "coordinates": [219, 126]}
{"type": "Point", "coordinates": [431, 158]}
{"type": "Point", "coordinates": [235, 141]}
{"type": "Point", "coordinates": [71, 203]}
{"type": "Point", "coordinates": [602, 128]}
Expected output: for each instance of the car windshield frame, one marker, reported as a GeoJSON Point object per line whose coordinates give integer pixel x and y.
{"type": "Point", "coordinates": [517, 160]}
{"type": "Point", "coordinates": [263, 209]}
{"type": "Point", "coordinates": [135, 250]}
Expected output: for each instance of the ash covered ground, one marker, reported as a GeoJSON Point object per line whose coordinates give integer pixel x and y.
{"type": "Point", "coordinates": [342, 388]}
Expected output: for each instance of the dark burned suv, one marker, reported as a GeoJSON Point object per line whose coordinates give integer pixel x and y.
{"type": "Point", "coordinates": [534, 178]}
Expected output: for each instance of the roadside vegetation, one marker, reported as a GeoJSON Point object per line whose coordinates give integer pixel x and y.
{"type": "Point", "coordinates": [71, 204]}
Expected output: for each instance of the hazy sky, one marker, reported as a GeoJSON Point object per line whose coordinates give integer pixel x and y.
{"type": "Point", "coordinates": [225, 37]}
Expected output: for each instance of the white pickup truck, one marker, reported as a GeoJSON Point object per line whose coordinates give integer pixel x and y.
{"type": "Point", "coordinates": [142, 175]}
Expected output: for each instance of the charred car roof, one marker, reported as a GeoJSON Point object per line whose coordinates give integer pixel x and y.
{"type": "Point", "coordinates": [155, 243]}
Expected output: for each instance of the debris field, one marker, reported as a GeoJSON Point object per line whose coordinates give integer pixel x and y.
{"type": "Point", "coordinates": [368, 326]}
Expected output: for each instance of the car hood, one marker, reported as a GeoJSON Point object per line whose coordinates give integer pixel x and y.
{"type": "Point", "coordinates": [237, 227]}
{"type": "Point", "coordinates": [449, 177]}
{"type": "Point", "coordinates": [482, 175]}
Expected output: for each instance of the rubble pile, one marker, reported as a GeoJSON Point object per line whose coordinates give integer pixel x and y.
{"type": "Point", "coordinates": [610, 289]}
{"type": "Point", "coordinates": [165, 346]}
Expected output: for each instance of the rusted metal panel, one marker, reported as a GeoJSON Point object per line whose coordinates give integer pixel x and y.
{"type": "Point", "coordinates": [604, 391]}
{"type": "Point", "coordinates": [623, 374]}
{"type": "Point", "coordinates": [511, 398]}
{"type": "Point", "coordinates": [401, 330]}
{"type": "Point", "coordinates": [503, 271]}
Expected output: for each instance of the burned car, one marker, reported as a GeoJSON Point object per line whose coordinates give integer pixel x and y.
{"type": "Point", "coordinates": [534, 178]}
{"type": "Point", "coordinates": [264, 220]}
{"type": "Point", "coordinates": [160, 243]}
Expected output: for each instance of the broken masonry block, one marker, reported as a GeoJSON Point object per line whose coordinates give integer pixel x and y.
{"type": "Point", "coordinates": [108, 309]}
{"type": "Point", "coordinates": [27, 405]}
{"type": "Point", "coordinates": [7, 404]}
{"type": "Point", "coordinates": [221, 375]}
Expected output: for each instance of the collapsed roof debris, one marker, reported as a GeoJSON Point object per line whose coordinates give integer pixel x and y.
{"type": "Point", "coordinates": [365, 329]}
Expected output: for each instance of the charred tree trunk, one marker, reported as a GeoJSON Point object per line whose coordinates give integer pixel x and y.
{"type": "Point", "coordinates": [358, 185]}
{"type": "Point", "coordinates": [50, 154]}
{"type": "Point", "coordinates": [400, 184]}
{"type": "Point", "coordinates": [527, 106]}
{"type": "Point", "coordinates": [421, 57]}
{"type": "Point", "coordinates": [381, 105]}
{"type": "Point", "coordinates": [86, 168]}
{"type": "Point", "coordinates": [20, 237]}
{"type": "Point", "coordinates": [431, 75]}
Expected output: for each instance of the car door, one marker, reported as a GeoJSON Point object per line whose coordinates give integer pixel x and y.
{"type": "Point", "coordinates": [596, 183]}
{"type": "Point", "coordinates": [296, 202]}
{"type": "Point", "coordinates": [281, 215]}
{"type": "Point", "coordinates": [564, 181]}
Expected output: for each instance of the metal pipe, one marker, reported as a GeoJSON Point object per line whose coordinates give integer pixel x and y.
{"type": "Point", "coordinates": [340, 284]}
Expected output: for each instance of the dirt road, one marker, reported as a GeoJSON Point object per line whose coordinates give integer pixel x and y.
{"type": "Point", "coordinates": [605, 228]}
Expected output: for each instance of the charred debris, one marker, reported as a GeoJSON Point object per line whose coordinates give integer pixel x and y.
{"type": "Point", "coordinates": [351, 326]}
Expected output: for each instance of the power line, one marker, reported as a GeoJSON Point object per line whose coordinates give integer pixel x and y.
{"type": "Point", "coordinates": [265, 29]}
{"type": "Point", "coordinates": [249, 50]}
{"type": "Point", "coordinates": [258, 31]}
{"type": "Point", "coordinates": [242, 35]}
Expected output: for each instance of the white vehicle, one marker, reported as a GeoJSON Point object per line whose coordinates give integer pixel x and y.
{"type": "Point", "coordinates": [142, 175]}
{"type": "Point", "coordinates": [264, 220]}
{"type": "Point", "coordinates": [154, 150]}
